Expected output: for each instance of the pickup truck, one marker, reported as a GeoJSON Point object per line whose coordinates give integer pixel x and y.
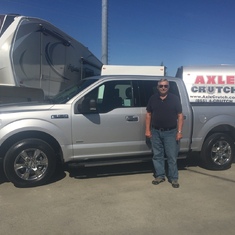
{"type": "Point", "coordinates": [104, 118]}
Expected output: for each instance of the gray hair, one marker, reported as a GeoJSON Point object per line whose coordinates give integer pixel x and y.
{"type": "Point", "coordinates": [163, 80]}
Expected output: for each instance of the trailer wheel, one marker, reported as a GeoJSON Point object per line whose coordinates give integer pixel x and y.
{"type": "Point", "coordinates": [29, 162]}
{"type": "Point", "coordinates": [218, 152]}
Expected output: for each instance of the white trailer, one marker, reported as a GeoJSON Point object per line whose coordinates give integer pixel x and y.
{"type": "Point", "coordinates": [34, 53]}
{"type": "Point", "coordinates": [133, 70]}
{"type": "Point", "coordinates": [209, 83]}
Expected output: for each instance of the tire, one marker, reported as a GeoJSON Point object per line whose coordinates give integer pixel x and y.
{"type": "Point", "coordinates": [218, 152]}
{"type": "Point", "coordinates": [29, 162]}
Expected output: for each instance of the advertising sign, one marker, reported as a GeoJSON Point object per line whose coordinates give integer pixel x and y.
{"type": "Point", "coordinates": [211, 87]}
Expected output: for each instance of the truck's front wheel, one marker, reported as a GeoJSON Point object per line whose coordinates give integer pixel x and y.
{"type": "Point", "coordinates": [29, 162]}
{"type": "Point", "coordinates": [218, 151]}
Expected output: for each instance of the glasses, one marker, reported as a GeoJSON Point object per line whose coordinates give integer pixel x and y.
{"type": "Point", "coordinates": [161, 86]}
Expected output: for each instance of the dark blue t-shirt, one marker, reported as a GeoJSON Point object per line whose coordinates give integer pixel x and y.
{"type": "Point", "coordinates": [164, 113]}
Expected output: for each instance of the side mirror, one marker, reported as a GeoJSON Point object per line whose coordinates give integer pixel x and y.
{"type": "Point", "coordinates": [87, 106]}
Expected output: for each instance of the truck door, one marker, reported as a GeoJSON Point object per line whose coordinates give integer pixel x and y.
{"type": "Point", "coordinates": [107, 123]}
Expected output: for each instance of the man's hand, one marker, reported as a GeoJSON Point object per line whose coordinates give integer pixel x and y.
{"type": "Point", "coordinates": [179, 136]}
{"type": "Point", "coordinates": [148, 134]}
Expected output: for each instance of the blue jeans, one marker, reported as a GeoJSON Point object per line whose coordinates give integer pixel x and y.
{"type": "Point", "coordinates": [164, 144]}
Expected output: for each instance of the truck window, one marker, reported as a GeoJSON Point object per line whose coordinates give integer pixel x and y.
{"type": "Point", "coordinates": [108, 96]}
{"type": "Point", "coordinates": [148, 88]}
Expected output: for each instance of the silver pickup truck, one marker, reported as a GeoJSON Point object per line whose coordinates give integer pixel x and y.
{"type": "Point", "coordinates": [104, 118]}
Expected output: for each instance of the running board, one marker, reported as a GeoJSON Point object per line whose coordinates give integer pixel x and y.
{"type": "Point", "coordinates": [114, 161]}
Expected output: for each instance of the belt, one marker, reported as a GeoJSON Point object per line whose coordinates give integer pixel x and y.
{"type": "Point", "coordinates": [163, 129]}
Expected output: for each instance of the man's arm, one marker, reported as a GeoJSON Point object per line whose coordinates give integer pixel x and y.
{"type": "Point", "coordinates": [147, 125]}
{"type": "Point", "coordinates": [180, 126]}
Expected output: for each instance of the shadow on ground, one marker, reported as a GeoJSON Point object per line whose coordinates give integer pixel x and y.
{"type": "Point", "coordinates": [106, 170]}
{"type": "Point", "coordinates": [3, 178]}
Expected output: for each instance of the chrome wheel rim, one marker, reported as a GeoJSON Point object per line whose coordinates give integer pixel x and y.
{"type": "Point", "coordinates": [221, 152]}
{"type": "Point", "coordinates": [31, 164]}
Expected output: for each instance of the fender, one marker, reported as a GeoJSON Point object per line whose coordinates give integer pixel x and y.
{"type": "Point", "coordinates": [208, 124]}
{"type": "Point", "coordinates": [56, 131]}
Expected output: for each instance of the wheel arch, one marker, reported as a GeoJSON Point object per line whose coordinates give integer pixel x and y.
{"type": "Point", "coordinates": [225, 128]}
{"type": "Point", "coordinates": [32, 134]}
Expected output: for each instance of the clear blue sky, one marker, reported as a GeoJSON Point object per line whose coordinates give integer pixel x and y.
{"type": "Point", "coordinates": [144, 32]}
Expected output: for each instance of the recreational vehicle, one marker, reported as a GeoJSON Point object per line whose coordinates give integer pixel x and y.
{"type": "Point", "coordinates": [34, 53]}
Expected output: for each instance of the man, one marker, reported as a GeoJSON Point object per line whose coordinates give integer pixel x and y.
{"type": "Point", "coordinates": [164, 123]}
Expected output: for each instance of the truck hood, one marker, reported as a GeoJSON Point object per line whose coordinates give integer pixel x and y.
{"type": "Point", "coordinates": [24, 107]}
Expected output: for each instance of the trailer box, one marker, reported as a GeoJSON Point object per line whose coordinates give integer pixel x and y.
{"type": "Point", "coordinates": [209, 83]}
{"type": "Point", "coordinates": [133, 70]}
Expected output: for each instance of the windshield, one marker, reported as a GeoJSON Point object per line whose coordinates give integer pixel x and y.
{"type": "Point", "coordinates": [5, 21]}
{"type": "Point", "coordinates": [70, 92]}
{"type": "Point", "coordinates": [1, 20]}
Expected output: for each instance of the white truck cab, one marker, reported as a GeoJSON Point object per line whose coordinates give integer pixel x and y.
{"type": "Point", "coordinates": [133, 70]}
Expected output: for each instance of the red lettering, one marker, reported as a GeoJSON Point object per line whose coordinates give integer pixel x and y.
{"type": "Point", "coordinates": [211, 79]}
{"type": "Point", "coordinates": [220, 80]}
{"type": "Point", "coordinates": [199, 80]}
{"type": "Point", "coordinates": [230, 79]}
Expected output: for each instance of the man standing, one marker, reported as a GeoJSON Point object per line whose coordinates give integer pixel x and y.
{"type": "Point", "coordinates": [164, 123]}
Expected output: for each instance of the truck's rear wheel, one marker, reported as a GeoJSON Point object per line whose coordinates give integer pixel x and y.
{"type": "Point", "coordinates": [218, 152]}
{"type": "Point", "coordinates": [29, 162]}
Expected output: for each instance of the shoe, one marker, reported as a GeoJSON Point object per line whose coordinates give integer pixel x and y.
{"type": "Point", "coordinates": [175, 184]}
{"type": "Point", "coordinates": [157, 181]}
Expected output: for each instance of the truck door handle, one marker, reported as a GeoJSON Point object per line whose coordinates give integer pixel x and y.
{"type": "Point", "coordinates": [132, 118]}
